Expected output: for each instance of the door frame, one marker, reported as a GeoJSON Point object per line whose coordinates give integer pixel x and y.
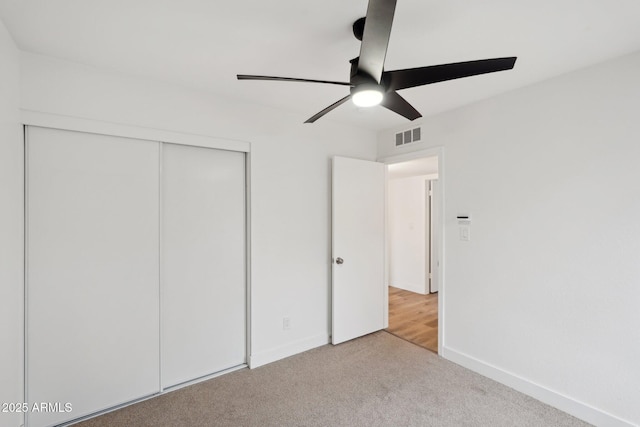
{"type": "Point", "coordinates": [439, 200]}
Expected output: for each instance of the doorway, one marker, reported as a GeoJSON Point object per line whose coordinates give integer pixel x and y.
{"type": "Point", "coordinates": [413, 230]}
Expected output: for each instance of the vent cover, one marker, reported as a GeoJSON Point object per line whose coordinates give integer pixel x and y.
{"type": "Point", "coordinates": [407, 137]}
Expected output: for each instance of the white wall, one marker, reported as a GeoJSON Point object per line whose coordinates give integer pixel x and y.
{"type": "Point", "coordinates": [11, 237]}
{"type": "Point", "coordinates": [290, 178]}
{"type": "Point", "coordinates": [545, 296]}
{"type": "Point", "coordinates": [408, 253]}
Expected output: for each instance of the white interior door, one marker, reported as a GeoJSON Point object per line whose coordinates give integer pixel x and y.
{"type": "Point", "coordinates": [359, 294]}
{"type": "Point", "coordinates": [92, 272]}
{"type": "Point", "coordinates": [203, 262]}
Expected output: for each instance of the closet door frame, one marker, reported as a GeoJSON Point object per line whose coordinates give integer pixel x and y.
{"type": "Point", "coordinates": [68, 123]}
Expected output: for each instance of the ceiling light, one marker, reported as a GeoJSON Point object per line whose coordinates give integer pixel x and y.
{"type": "Point", "coordinates": [367, 95]}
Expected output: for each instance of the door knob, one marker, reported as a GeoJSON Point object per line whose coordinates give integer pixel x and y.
{"type": "Point", "coordinates": [339, 260]}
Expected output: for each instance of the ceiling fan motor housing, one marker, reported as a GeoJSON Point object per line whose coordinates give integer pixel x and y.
{"type": "Point", "coordinates": [357, 76]}
{"type": "Point", "coordinates": [358, 28]}
{"type": "Point", "coordinates": [367, 94]}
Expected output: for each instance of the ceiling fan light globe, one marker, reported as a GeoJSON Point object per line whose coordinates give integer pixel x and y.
{"type": "Point", "coordinates": [367, 96]}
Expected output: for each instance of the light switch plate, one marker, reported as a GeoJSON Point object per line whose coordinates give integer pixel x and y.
{"type": "Point", "coordinates": [465, 233]}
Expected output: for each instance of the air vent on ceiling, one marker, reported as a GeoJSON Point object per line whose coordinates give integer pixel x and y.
{"type": "Point", "coordinates": [407, 137]}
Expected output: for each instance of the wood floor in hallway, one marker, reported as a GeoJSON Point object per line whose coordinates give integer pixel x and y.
{"type": "Point", "coordinates": [414, 317]}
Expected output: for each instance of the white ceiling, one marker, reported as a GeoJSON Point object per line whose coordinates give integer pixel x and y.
{"type": "Point", "coordinates": [204, 43]}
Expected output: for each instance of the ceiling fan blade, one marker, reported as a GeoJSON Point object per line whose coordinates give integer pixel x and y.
{"type": "Point", "coordinates": [398, 104]}
{"type": "Point", "coordinates": [329, 108]}
{"type": "Point", "coordinates": [375, 38]}
{"type": "Point", "coordinates": [412, 77]}
{"type": "Point", "coordinates": [289, 79]}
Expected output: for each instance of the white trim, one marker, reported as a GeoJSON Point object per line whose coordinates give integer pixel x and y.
{"type": "Point", "coordinates": [558, 400]}
{"type": "Point", "coordinates": [57, 121]}
{"type": "Point", "coordinates": [160, 262]}
{"type": "Point", "coordinates": [427, 152]}
{"type": "Point", "coordinates": [440, 195]}
{"type": "Point", "coordinates": [290, 349]}
{"type": "Point", "coordinates": [248, 259]}
{"type": "Point", "coordinates": [385, 284]}
{"type": "Point", "coordinates": [25, 282]}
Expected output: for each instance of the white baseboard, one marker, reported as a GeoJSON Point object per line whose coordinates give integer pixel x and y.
{"type": "Point", "coordinates": [565, 403]}
{"type": "Point", "coordinates": [277, 353]}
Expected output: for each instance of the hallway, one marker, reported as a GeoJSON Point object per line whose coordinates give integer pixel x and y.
{"type": "Point", "coordinates": [414, 317]}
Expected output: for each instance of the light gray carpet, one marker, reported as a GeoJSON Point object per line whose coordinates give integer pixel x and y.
{"type": "Point", "coordinates": [377, 380]}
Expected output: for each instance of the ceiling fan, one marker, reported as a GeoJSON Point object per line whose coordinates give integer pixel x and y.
{"type": "Point", "coordinates": [371, 85]}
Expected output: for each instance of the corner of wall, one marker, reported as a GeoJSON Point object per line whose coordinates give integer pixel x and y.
{"type": "Point", "coordinates": [11, 229]}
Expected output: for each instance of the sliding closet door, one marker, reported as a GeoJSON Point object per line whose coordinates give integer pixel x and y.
{"type": "Point", "coordinates": [92, 272]}
{"type": "Point", "coordinates": [203, 283]}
